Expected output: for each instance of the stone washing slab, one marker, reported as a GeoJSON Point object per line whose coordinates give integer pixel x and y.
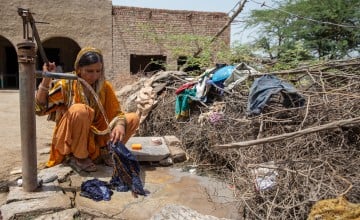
{"type": "Point", "coordinates": [150, 151]}
{"type": "Point", "coordinates": [34, 206]}
{"type": "Point", "coordinates": [16, 193]}
{"type": "Point", "coordinates": [62, 215]}
{"type": "Point", "coordinates": [175, 212]}
{"type": "Point", "coordinates": [61, 171]}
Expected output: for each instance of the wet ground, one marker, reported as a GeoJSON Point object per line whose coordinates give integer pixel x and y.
{"type": "Point", "coordinates": [167, 186]}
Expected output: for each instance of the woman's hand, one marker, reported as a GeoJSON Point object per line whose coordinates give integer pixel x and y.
{"type": "Point", "coordinates": [43, 89]}
{"type": "Point", "coordinates": [117, 133]}
{"type": "Point", "coordinates": [49, 67]}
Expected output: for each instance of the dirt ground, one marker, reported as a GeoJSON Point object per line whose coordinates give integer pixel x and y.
{"type": "Point", "coordinates": [10, 136]}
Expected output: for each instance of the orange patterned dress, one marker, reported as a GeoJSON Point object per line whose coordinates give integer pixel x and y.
{"type": "Point", "coordinates": [84, 136]}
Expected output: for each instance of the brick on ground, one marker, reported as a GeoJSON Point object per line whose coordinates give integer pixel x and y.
{"type": "Point", "coordinates": [175, 146]}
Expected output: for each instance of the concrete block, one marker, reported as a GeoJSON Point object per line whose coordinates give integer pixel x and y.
{"type": "Point", "coordinates": [172, 141]}
{"type": "Point", "coordinates": [177, 154]}
{"type": "Point", "coordinates": [175, 146]}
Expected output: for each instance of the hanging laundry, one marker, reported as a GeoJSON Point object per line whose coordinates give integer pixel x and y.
{"type": "Point", "coordinates": [267, 85]}
{"type": "Point", "coordinates": [185, 86]}
{"type": "Point", "coordinates": [182, 103]}
{"type": "Point", "coordinates": [238, 75]}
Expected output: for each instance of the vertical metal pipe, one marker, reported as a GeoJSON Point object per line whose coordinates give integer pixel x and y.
{"type": "Point", "coordinates": [26, 59]}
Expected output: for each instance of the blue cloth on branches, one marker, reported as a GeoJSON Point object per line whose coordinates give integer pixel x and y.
{"type": "Point", "coordinates": [221, 74]}
{"type": "Point", "coordinates": [267, 85]}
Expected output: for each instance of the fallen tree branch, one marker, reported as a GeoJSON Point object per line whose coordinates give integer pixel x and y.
{"type": "Point", "coordinates": [291, 135]}
{"type": "Point", "coordinates": [236, 13]}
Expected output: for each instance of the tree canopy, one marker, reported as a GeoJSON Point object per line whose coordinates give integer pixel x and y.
{"type": "Point", "coordinates": [321, 28]}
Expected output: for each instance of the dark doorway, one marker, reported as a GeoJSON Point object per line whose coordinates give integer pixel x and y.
{"type": "Point", "coordinates": [53, 55]}
{"type": "Point", "coordinates": [62, 51]}
{"type": "Point", "coordinates": [184, 65]}
{"type": "Point", "coordinates": [12, 69]}
{"type": "Point", "coordinates": [147, 64]}
{"type": "Point", "coordinates": [9, 68]}
{"type": "Point", "coordinates": [181, 61]}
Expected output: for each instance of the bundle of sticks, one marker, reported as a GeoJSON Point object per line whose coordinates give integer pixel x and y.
{"type": "Point", "coordinates": [309, 153]}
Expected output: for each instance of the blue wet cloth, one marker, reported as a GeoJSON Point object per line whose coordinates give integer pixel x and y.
{"type": "Point", "coordinates": [267, 85]}
{"type": "Point", "coordinates": [126, 175]}
{"type": "Point", "coordinates": [96, 189]}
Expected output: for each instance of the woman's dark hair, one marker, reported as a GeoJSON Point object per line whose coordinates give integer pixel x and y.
{"type": "Point", "coordinates": [90, 58]}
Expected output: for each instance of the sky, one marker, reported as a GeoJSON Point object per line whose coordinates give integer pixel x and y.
{"type": "Point", "coordinates": [238, 33]}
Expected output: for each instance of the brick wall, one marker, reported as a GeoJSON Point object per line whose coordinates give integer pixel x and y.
{"type": "Point", "coordinates": [154, 31]}
{"type": "Point", "coordinates": [87, 22]}
{"type": "Point", "coordinates": [117, 31]}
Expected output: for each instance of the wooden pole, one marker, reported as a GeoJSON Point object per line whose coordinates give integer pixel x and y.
{"type": "Point", "coordinates": [26, 59]}
{"type": "Point", "coordinates": [232, 18]}
{"type": "Point", "coordinates": [236, 13]}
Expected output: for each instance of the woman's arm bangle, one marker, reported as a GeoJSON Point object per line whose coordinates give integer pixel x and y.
{"type": "Point", "coordinates": [121, 122]}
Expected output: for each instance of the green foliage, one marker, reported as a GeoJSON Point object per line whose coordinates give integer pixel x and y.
{"type": "Point", "coordinates": [331, 26]}
{"type": "Point", "coordinates": [186, 45]}
{"type": "Point", "coordinates": [326, 28]}
{"type": "Point", "coordinates": [244, 53]}
{"type": "Point", "coordinates": [293, 32]}
{"type": "Point", "coordinates": [180, 45]}
{"type": "Point", "coordinates": [293, 56]}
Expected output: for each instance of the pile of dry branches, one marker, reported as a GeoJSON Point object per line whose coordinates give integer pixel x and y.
{"type": "Point", "coordinates": [311, 152]}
